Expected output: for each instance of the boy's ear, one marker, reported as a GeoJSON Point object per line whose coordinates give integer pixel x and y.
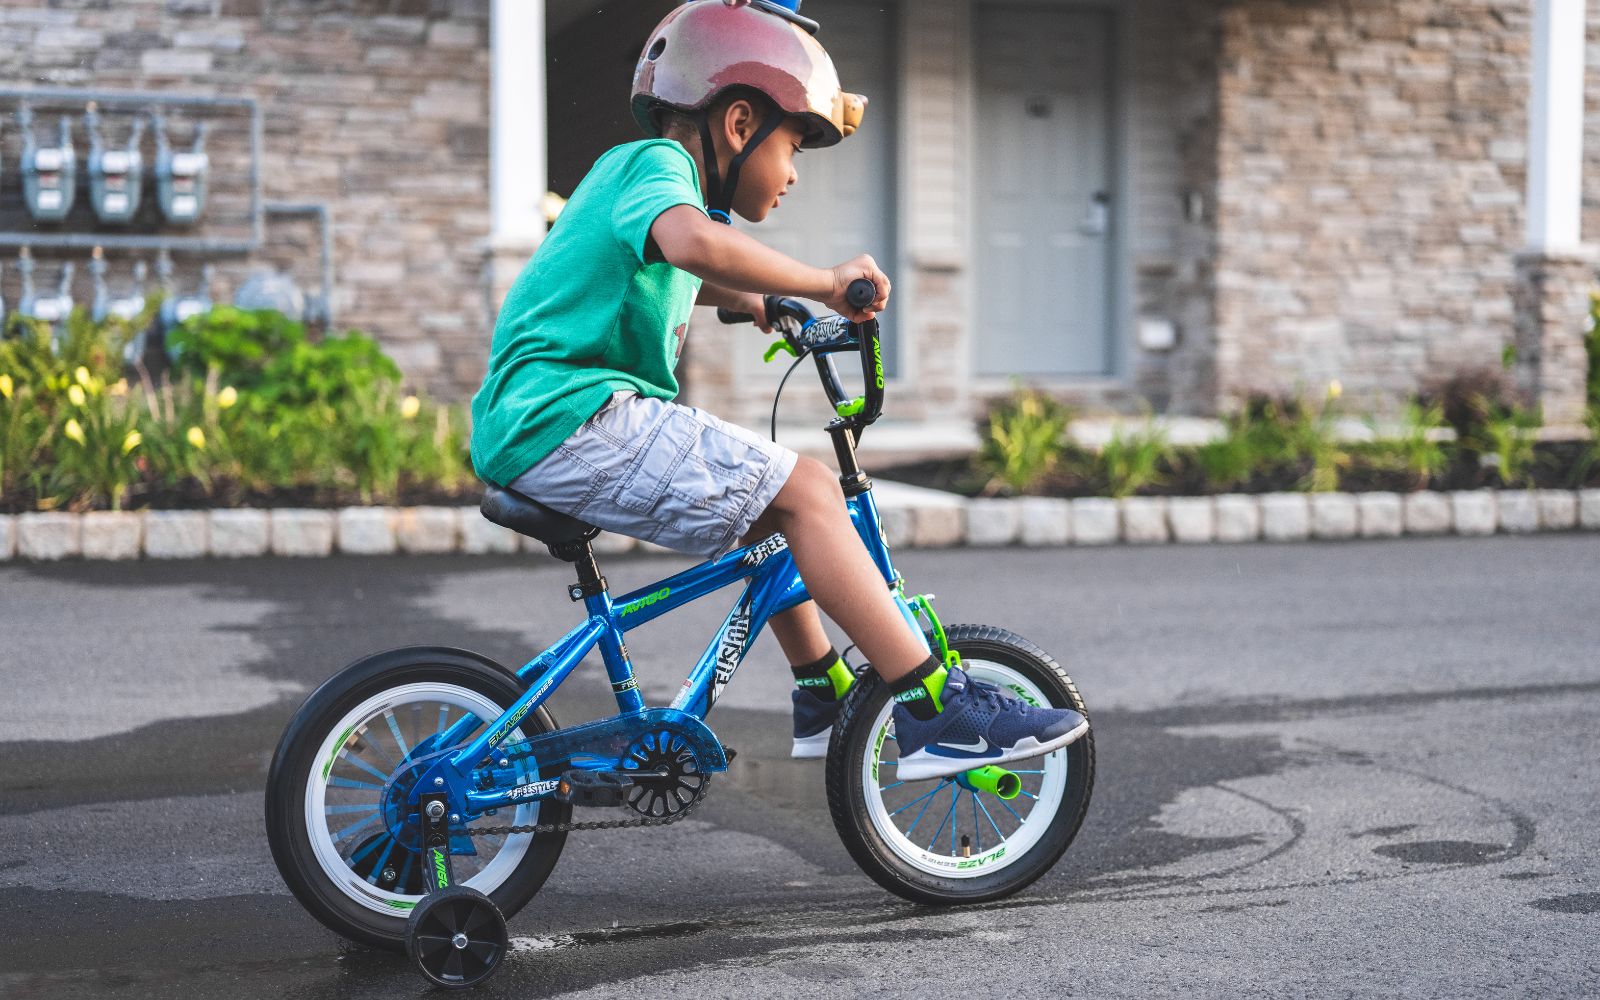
{"type": "Point", "coordinates": [739, 123]}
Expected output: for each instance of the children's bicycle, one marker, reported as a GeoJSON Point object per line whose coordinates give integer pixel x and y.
{"type": "Point", "coordinates": [422, 795]}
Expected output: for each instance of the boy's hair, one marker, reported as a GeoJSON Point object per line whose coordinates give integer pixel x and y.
{"type": "Point", "coordinates": [681, 126]}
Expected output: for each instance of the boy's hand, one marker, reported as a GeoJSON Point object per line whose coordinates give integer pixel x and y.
{"type": "Point", "coordinates": [861, 267]}
{"type": "Point", "coordinates": [756, 305]}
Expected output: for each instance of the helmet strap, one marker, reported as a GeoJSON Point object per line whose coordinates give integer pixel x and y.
{"type": "Point", "coordinates": [719, 200]}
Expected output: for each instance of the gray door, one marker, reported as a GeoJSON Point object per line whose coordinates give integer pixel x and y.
{"type": "Point", "coordinates": [1043, 190]}
{"type": "Point", "coordinates": [843, 204]}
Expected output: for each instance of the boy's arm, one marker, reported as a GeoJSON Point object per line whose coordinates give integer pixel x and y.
{"type": "Point", "coordinates": [740, 302]}
{"type": "Point", "coordinates": [726, 257]}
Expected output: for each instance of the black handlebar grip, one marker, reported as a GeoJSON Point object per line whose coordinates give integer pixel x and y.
{"type": "Point", "coordinates": [861, 293]}
{"type": "Point", "coordinates": [730, 317]}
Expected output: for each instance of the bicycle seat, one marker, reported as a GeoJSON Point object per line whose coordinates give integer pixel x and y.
{"type": "Point", "coordinates": [527, 516]}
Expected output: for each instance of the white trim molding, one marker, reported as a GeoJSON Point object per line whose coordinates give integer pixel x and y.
{"type": "Point", "coordinates": [518, 156]}
{"type": "Point", "coordinates": [1555, 127]}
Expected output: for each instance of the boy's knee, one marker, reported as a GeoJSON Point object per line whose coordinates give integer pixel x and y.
{"type": "Point", "coordinates": [813, 483]}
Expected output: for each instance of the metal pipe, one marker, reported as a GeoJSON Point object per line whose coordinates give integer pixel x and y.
{"type": "Point", "coordinates": [324, 217]}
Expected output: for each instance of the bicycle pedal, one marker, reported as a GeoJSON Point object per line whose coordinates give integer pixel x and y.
{"type": "Point", "coordinates": [597, 788]}
{"type": "Point", "coordinates": [730, 753]}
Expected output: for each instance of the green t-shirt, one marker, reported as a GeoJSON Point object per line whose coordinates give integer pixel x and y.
{"type": "Point", "coordinates": [589, 314]}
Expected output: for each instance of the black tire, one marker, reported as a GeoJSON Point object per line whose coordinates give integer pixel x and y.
{"type": "Point", "coordinates": [852, 741]}
{"type": "Point", "coordinates": [313, 724]}
{"type": "Point", "coordinates": [457, 909]}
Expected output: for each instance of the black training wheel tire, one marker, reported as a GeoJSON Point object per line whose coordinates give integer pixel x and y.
{"type": "Point", "coordinates": [286, 784]}
{"type": "Point", "coordinates": [852, 739]}
{"type": "Point", "coordinates": [456, 937]}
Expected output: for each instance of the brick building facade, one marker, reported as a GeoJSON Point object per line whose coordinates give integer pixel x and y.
{"type": "Point", "coordinates": [1298, 190]}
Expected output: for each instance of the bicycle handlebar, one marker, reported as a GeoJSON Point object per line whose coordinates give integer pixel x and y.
{"type": "Point", "coordinates": [824, 338]}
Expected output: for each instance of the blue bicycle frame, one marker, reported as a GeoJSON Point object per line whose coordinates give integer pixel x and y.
{"type": "Point", "coordinates": [775, 586]}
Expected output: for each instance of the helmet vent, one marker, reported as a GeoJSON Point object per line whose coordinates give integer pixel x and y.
{"type": "Point", "coordinates": [655, 50]}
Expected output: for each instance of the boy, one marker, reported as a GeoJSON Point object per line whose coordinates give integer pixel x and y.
{"type": "Point", "coordinates": [576, 410]}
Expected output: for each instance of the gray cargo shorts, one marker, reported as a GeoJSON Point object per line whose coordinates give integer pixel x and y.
{"type": "Point", "coordinates": [670, 474]}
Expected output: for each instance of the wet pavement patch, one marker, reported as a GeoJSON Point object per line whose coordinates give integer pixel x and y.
{"type": "Point", "coordinates": [1579, 902]}
{"type": "Point", "coordinates": [1443, 852]}
{"type": "Point", "coordinates": [1385, 831]}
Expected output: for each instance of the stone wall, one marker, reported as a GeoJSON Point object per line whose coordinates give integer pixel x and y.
{"type": "Point", "coordinates": [378, 108]}
{"type": "Point", "coordinates": [1372, 162]}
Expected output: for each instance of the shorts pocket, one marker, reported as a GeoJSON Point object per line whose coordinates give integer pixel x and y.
{"type": "Point", "coordinates": [660, 457]}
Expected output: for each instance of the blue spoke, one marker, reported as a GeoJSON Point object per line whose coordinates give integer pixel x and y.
{"type": "Point", "coordinates": [405, 870]}
{"type": "Point", "coordinates": [352, 783]}
{"type": "Point", "coordinates": [885, 788]}
{"type": "Point", "coordinates": [366, 744]}
{"type": "Point", "coordinates": [1030, 795]}
{"type": "Point", "coordinates": [1023, 772]}
{"type": "Point", "coordinates": [352, 828]}
{"type": "Point", "coordinates": [394, 730]}
{"type": "Point", "coordinates": [924, 809]}
{"type": "Point", "coordinates": [1011, 810]}
{"type": "Point", "coordinates": [358, 762]}
{"type": "Point", "coordinates": [371, 846]}
{"type": "Point", "coordinates": [888, 763]}
{"type": "Point", "coordinates": [991, 821]}
{"type": "Point", "coordinates": [919, 798]}
{"type": "Point", "coordinates": [377, 869]}
{"type": "Point", "coordinates": [335, 810]}
{"type": "Point", "coordinates": [977, 831]}
{"type": "Point", "coordinates": [444, 713]}
{"type": "Point", "coordinates": [953, 800]}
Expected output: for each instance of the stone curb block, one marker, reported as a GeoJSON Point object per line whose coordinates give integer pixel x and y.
{"type": "Point", "coordinates": [1044, 521]}
{"type": "Point", "coordinates": [1144, 520]}
{"type": "Point", "coordinates": [1333, 516]}
{"type": "Point", "coordinates": [1238, 518]}
{"type": "Point", "coordinates": [1381, 515]}
{"type": "Point", "coordinates": [1095, 521]}
{"type": "Point", "coordinates": [1558, 509]}
{"type": "Point", "coordinates": [48, 536]}
{"type": "Point", "coordinates": [1192, 520]}
{"type": "Point", "coordinates": [298, 532]}
{"type": "Point", "coordinates": [897, 526]}
{"type": "Point", "coordinates": [1589, 510]}
{"type": "Point", "coordinates": [421, 530]}
{"type": "Point", "coordinates": [481, 536]}
{"type": "Point", "coordinates": [112, 534]}
{"type": "Point", "coordinates": [1519, 511]}
{"type": "Point", "coordinates": [992, 522]}
{"type": "Point", "coordinates": [366, 531]}
{"type": "Point", "coordinates": [1427, 513]}
{"type": "Point", "coordinates": [176, 534]}
{"type": "Point", "coordinates": [237, 534]}
{"type": "Point", "coordinates": [938, 526]}
{"type": "Point", "coordinates": [8, 536]}
{"type": "Point", "coordinates": [1474, 512]}
{"type": "Point", "coordinates": [1285, 517]}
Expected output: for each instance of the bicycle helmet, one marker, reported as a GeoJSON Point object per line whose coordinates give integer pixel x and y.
{"type": "Point", "coordinates": [705, 47]}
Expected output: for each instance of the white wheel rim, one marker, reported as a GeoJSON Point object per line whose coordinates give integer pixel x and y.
{"type": "Point", "coordinates": [333, 767]}
{"type": "Point", "coordinates": [1017, 834]}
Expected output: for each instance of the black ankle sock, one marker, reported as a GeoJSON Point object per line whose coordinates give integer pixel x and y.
{"type": "Point", "coordinates": [913, 690]}
{"type": "Point", "coordinates": [817, 676]}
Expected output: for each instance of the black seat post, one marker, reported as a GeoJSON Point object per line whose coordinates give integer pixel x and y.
{"type": "Point", "coordinates": [581, 554]}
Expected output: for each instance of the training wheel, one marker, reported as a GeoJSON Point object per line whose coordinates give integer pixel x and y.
{"type": "Point", "coordinates": [456, 937]}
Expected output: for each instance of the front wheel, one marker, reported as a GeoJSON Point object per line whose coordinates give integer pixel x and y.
{"type": "Point", "coordinates": [945, 841]}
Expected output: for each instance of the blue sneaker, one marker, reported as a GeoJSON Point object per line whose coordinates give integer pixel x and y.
{"type": "Point", "coordinates": [980, 726]}
{"type": "Point", "coordinates": [813, 724]}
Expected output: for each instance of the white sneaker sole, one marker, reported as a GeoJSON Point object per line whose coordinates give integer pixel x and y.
{"type": "Point", "coordinates": [922, 765]}
{"type": "Point", "coordinates": [812, 747]}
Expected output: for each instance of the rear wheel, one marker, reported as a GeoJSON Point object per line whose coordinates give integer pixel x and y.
{"type": "Point", "coordinates": [944, 840]}
{"type": "Point", "coordinates": [337, 822]}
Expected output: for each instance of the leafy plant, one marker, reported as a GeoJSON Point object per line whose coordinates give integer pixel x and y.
{"type": "Point", "coordinates": [1132, 461]}
{"type": "Point", "coordinates": [1509, 445]}
{"type": "Point", "coordinates": [1591, 343]}
{"type": "Point", "coordinates": [1023, 440]}
{"type": "Point", "coordinates": [1415, 451]}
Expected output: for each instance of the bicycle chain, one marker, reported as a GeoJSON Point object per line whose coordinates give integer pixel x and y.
{"type": "Point", "coordinates": [608, 824]}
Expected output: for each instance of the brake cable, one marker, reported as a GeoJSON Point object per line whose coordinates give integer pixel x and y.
{"type": "Point", "coordinates": [804, 353]}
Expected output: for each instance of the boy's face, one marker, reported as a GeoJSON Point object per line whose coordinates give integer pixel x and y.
{"type": "Point", "coordinates": [768, 173]}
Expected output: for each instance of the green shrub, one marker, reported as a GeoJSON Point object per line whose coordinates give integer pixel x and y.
{"type": "Point", "coordinates": [1023, 440]}
{"type": "Point", "coordinates": [1592, 343]}
{"type": "Point", "coordinates": [1129, 462]}
{"type": "Point", "coordinates": [1508, 445]}
{"type": "Point", "coordinates": [1414, 452]}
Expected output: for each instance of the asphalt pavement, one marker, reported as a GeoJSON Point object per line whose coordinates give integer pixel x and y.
{"type": "Point", "coordinates": [1345, 770]}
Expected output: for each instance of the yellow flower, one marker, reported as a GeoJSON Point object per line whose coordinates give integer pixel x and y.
{"type": "Point", "coordinates": [81, 374]}
{"type": "Point", "coordinates": [227, 397]}
{"type": "Point", "coordinates": [120, 388]}
{"type": "Point", "coordinates": [410, 407]}
{"type": "Point", "coordinates": [197, 437]}
{"type": "Point", "coordinates": [6, 386]}
{"type": "Point", "coordinates": [75, 393]}
{"type": "Point", "coordinates": [1335, 389]}
{"type": "Point", "coordinates": [74, 431]}
{"type": "Point", "coordinates": [131, 441]}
